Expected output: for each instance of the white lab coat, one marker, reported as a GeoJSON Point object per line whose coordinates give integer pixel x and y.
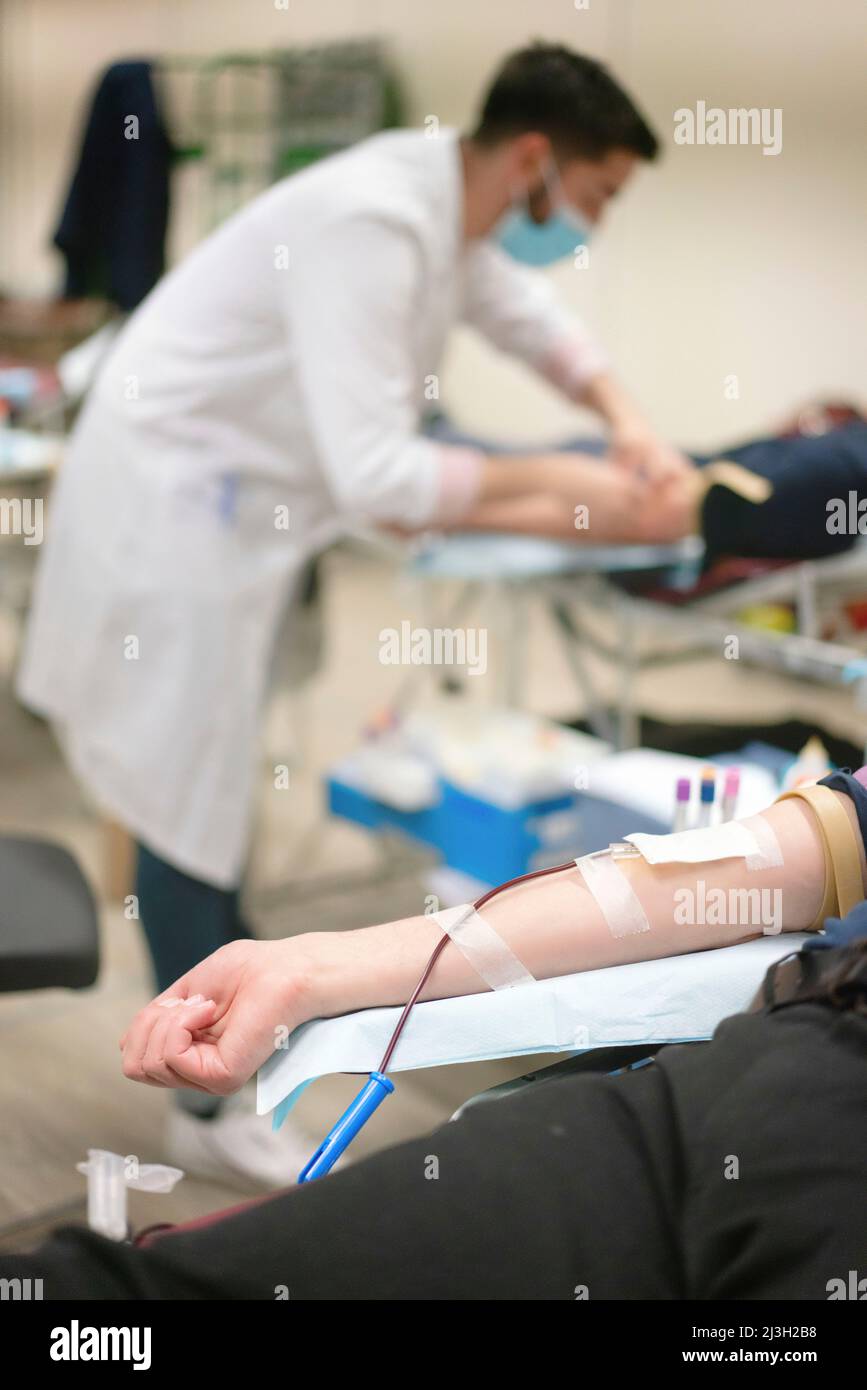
{"type": "Point", "coordinates": [281, 365]}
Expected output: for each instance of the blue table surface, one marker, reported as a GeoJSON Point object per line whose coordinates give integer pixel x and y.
{"type": "Point", "coordinates": [496, 555]}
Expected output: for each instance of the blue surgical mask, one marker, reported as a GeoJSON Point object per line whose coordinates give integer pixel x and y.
{"type": "Point", "coordinates": [540, 244]}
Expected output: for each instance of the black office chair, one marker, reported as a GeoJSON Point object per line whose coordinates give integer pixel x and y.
{"type": "Point", "coordinates": [49, 931]}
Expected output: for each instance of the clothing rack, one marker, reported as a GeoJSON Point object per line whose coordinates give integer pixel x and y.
{"type": "Point", "coordinates": [245, 120]}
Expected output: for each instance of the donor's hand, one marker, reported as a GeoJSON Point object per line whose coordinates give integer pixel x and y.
{"type": "Point", "coordinates": [217, 1024]}
{"type": "Point", "coordinates": [639, 450]}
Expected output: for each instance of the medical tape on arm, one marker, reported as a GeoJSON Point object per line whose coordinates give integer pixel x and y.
{"type": "Point", "coordinates": [752, 840]}
{"type": "Point", "coordinates": [483, 948]}
{"type": "Point", "coordinates": [769, 855]}
{"type": "Point", "coordinates": [613, 894]}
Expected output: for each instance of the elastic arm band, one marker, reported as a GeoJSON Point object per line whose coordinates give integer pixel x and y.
{"type": "Point", "coordinates": [844, 887]}
{"type": "Point", "coordinates": [752, 487]}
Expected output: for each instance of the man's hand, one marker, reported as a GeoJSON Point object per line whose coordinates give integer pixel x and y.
{"type": "Point", "coordinates": [634, 445]}
{"type": "Point", "coordinates": [636, 448]}
{"type": "Point", "coordinates": [217, 1024]}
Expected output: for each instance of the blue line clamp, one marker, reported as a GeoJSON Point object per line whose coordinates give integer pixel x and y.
{"type": "Point", "coordinates": [369, 1098]}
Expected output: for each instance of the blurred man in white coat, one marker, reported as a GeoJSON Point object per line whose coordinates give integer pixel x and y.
{"type": "Point", "coordinates": [269, 392]}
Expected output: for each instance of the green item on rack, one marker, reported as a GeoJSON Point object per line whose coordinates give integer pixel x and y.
{"type": "Point", "coordinates": [297, 157]}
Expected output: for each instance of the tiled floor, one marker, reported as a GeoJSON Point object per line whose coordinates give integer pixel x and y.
{"type": "Point", "coordinates": [61, 1090]}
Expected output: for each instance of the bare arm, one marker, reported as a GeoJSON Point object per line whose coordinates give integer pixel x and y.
{"type": "Point", "coordinates": [242, 993]}
{"type": "Point", "coordinates": [564, 496]}
{"type": "Point", "coordinates": [575, 497]}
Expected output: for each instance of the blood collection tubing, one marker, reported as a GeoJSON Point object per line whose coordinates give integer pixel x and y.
{"type": "Point", "coordinates": [378, 1086]}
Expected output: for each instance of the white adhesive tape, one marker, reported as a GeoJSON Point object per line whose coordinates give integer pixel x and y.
{"type": "Point", "coordinates": [613, 895]}
{"type": "Point", "coordinates": [769, 855]}
{"type": "Point", "coordinates": [732, 840]}
{"type": "Point", "coordinates": [484, 948]}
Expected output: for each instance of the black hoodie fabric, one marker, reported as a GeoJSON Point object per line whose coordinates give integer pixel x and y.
{"type": "Point", "coordinates": [729, 1170]}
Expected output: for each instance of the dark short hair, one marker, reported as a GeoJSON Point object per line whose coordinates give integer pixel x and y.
{"type": "Point", "coordinates": [572, 99]}
{"type": "Point", "coordinates": [844, 986]}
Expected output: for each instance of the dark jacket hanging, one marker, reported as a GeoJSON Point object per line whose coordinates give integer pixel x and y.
{"type": "Point", "coordinates": [112, 232]}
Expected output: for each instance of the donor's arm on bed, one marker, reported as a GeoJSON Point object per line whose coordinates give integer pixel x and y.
{"type": "Point", "coordinates": [785, 870]}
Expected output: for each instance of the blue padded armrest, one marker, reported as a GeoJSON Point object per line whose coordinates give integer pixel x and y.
{"type": "Point", "coordinates": [507, 556]}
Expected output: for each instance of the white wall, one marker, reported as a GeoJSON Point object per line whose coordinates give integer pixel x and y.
{"type": "Point", "coordinates": [719, 261]}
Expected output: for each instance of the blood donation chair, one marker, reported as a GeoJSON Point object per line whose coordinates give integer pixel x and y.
{"type": "Point", "coordinates": [49, 936]}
